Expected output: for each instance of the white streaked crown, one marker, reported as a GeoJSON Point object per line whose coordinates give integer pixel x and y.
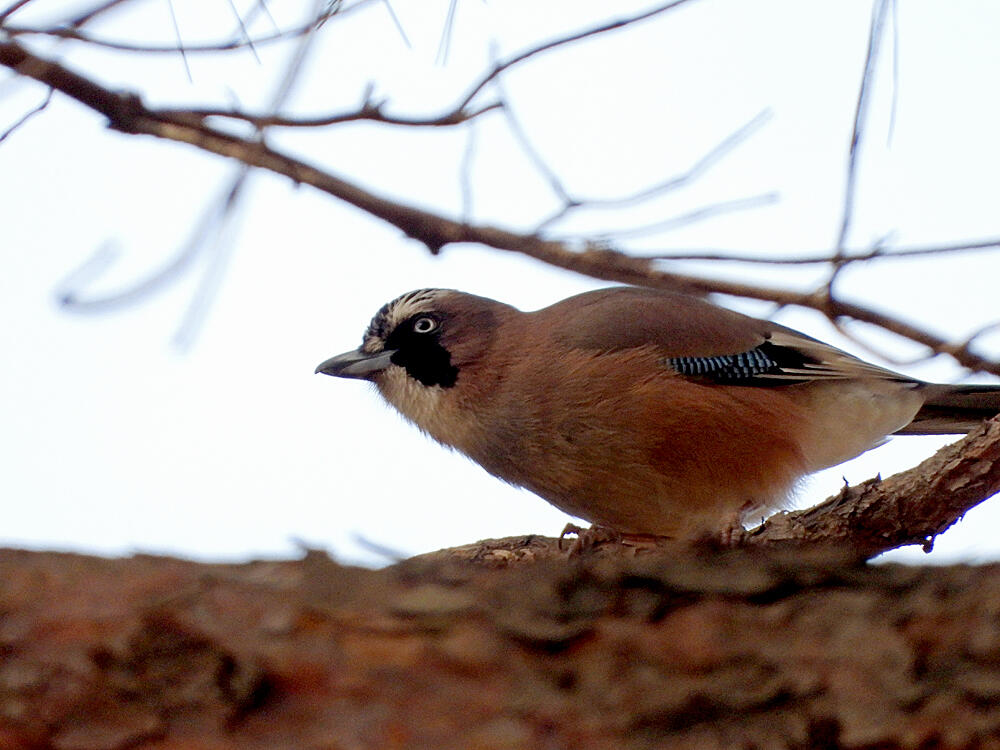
{"type": "Point", "coordinates": [395, 312]}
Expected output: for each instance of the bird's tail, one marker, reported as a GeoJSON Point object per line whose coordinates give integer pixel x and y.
{"type": "Point", "coordinates": [953, 409]}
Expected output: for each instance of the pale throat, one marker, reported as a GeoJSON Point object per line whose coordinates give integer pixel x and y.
{"type": "Point", "coordinates": [427, 407]}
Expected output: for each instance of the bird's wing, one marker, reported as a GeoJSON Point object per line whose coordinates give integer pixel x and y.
{"type": "Point", "coordinates": [702, 341]}
{"type": "Point", "coordinates": [783, 358]}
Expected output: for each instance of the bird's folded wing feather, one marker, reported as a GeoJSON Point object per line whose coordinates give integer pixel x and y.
{"type": "Point", "coordinates": [704, 342]}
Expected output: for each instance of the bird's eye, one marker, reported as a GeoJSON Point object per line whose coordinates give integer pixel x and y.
{"type": "Point", "coordinates": [424, 324]}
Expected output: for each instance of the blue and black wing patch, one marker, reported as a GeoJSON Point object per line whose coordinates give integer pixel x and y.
{"type": "Point", "coordinates": [764, 365]}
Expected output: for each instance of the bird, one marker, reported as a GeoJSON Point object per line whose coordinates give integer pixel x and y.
{"type": "Point", "coordinates": [643, 411]}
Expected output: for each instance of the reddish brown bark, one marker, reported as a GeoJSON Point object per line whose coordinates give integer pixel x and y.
{"type": "Point", "coordinates": [687, 650]}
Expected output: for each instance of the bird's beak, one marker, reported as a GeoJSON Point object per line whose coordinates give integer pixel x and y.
{"type": "Point", "coordinates": [356, 364]}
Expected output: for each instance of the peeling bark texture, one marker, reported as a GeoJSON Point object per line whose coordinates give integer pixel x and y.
{"type": "Point", "coordinates": [507, 644]}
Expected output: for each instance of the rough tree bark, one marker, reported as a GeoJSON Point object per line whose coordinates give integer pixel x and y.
{"type": "Point", "coordinates": [781, 642]}
{"type": "Point", "coordinates": [745, 648]}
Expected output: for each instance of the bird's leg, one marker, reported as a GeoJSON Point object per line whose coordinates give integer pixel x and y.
{"type": "Point", "coordinates": [732, 532]}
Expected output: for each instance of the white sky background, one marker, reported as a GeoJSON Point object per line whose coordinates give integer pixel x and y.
{"type": "Point", "coordinates": [113, 440]}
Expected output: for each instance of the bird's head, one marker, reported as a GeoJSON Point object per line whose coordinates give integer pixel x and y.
{"type": "Point", "coordinates": [422, 347]}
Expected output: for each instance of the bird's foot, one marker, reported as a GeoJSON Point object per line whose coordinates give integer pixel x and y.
{"type": "Point", "coordinates": [596, 536]}
{"type": "Point", "coordinates": [587, 539]}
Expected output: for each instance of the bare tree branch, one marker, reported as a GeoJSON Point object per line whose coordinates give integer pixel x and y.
{"type": "Point", "coordinates": [911, 507]}
{"type": "Point", "coordinates": [127, 113]}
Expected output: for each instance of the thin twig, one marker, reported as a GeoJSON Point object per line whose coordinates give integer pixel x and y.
{"type": "Point", "coordinates": [979, 333]}
{"type": "Point", "coordinates": [563, 41]}
{"type": "Point", "coordinates": [27, 116]}
{"type": "Point", "coordinates": [534, 156]}
{"type": "Point", "coordinates": [860, 117]}
{"type": "Point", "coordinates": [444, 45]}
{"type": "Point", "coordinates": [390, 554]}
{"type": "Point", "coordinates": [72, 295]}
{"type": "Point", "coordinates": [371, 112]}
{"type": "Point", "coordinates": [691, 217]}
{"type": "Point", "coordinates": [218, 239]}
{"type": "Point", "coordinates": [396, 22]}
{"type": "Point", "coordinates": [695, 171]}
{"type": "Point", "coordinates": [571, 203]}
{"type": "Point", "coordinates": [899, 362]}
{"type": "Point", "coordinates": [261, 6]}
{"type": "Point", "coordinates": [849, 256]}
{"type": "Point", "coordinates": [87, 16]}
{"type": "Point", "coordinates": [12, 9]}
{"type": "Point", "coordinates": [894, 104]}
{"type": "Point", "coordinates": [209, 239]}
{"type": "Point", "coordinates": [465, 174]}
{"type": "Point", "coordinates": [61, 32]}
{"type": "Point", "coordinates": [843, 328]}
{"type": "Point", "coordinates": [180, 41]}
{"type": "Point", "coordinates": [222, 247]}
{"type": "Point", "coordinates": [67, 290]}
{"type": "Point", "coordinates": [244, 31]}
